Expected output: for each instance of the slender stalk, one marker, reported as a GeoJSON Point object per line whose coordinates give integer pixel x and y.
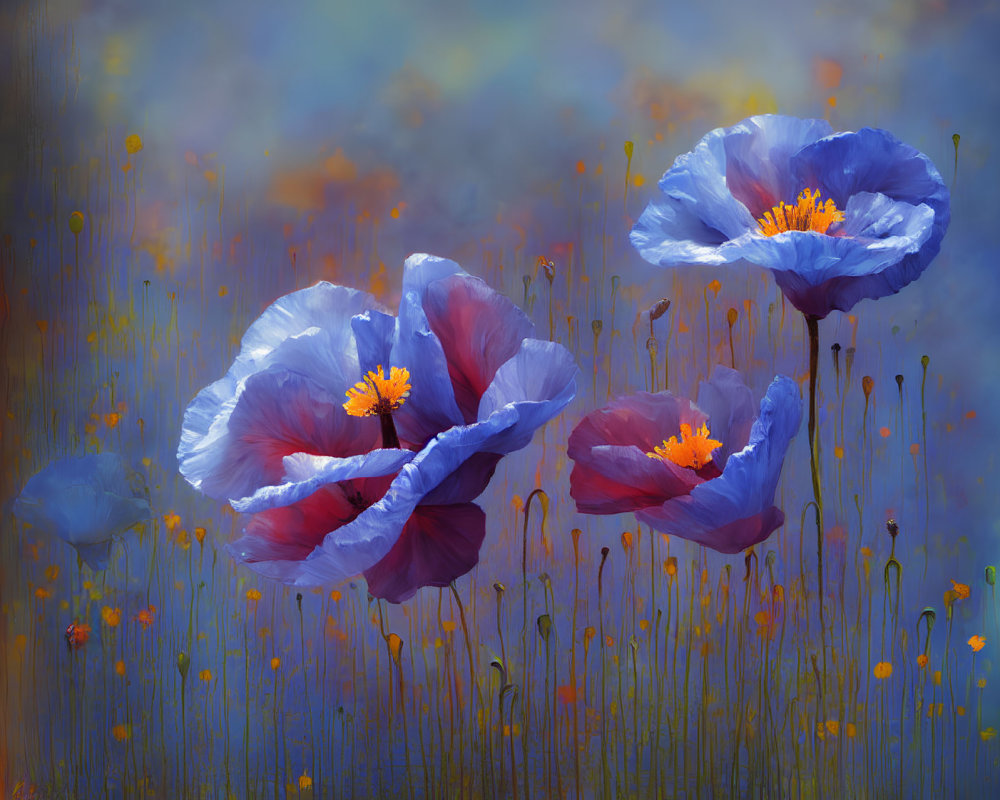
{"type": "Point", "coordinates": [812, 324]}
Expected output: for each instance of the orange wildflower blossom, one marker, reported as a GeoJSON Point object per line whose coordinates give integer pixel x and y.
{"type": "Point", "coordinates": [883, 670]}
{"type": "Point", "coordinates": [146, 616]}
{"type": "Point", "coordinates": [77, 634]}
{"type": "Point", "coordinates": [977, 643]}
{"type": "Point", "coordinates": [961, 590]}
{"type": "Point", "coordinates": [112, 616]}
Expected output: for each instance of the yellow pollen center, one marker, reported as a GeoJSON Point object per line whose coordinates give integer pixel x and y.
{"type": "Point", "coordinates": [694, 450]}
{"type": "Point", "coordinates": [808, 214]}
{"type": "Point", "coordinates": [376, 395]}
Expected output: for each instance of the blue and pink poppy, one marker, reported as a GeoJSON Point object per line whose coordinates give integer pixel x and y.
{"type": "Point", "coordinates": [837, 217]}
{"type": "Point", "coordinates": [705, 472]}
{"type": "Point", "coordinates": [383, 484]}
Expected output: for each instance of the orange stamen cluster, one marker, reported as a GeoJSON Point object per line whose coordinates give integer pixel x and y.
{"type": "Point", "coordinates": [377, 395]}
{"type": "Point", "coordinates": [694, 450]}
{"type": "Point", "coordinates": [808, 214]}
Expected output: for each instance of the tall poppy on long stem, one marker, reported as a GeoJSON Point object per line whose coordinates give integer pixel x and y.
{"type": "Point", "coordinates": [837, 217]}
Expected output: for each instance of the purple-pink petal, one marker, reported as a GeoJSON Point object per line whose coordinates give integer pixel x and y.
{"type": "Point", "coordinates": [479, 329]}
{"type": "Point", "coordinates": [277, 413]}
{"type": "Point", "coordinates": [437, 545]}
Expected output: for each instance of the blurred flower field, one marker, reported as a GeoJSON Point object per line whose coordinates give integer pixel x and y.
{"type": "Point", "coordinates": [170, 173]}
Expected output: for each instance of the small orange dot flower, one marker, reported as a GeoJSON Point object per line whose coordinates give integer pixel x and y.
{"type": "Point", "coordinates": [988, 734]}
{"type": "Point", "coordinates": [199, 534]}
{"type": "Point", "coordinates": [120, 668]}
{"type": "Point", "coordinates": [275, 663]}
{"type": "Point", "coordinates": [171, 520]}
{"type": "Point", "coordinates": [205, 675]}
{"type": "Point", "coordinates": [961, 590]}
{"type": "Point", "coordinates": [305, 781]}
{"type": "Point", "coordinates": [808, 214]}
{"type": "Point", "coordinates": [120, 732]}
{"type": "Point", "coordinates": [977, 643]}
{"type": "Point", "coordinates": [112, 616]}
{"type": "Point", "coordinates": [133, 143]}
{"type": "Point", "coordinates": [253, 595]}
{"type": "Point", "coordinates": [883, 670]}
{"type": "Point", "coordinates": [921, 661]}
{"type": "Point", "coordinates": [146, 616]}
{"type": "Point", "coordinates": [693, 451]}
{"type": "Point", "coordinates": [41, 593]}
{"type": "Point", "coordinates": [77, 635]}
{"type": "Point", "coordinates": [377, 395]}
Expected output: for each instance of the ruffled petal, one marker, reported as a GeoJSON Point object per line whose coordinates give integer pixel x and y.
{"type": "Point", "coordinates": [467, 482]}
{"type": "Point", "coordinates": [729, 404]}
{"type": "Point", "coordinates": [479, 329]}
{"type": "Point", "coordinates": [539, 381]}
{"type": "Point", "coordinates": [277, 412]}
{"type": "Point", "coordinates": [697, 212]}
{"type": "Point", "coordinates": [431, 406]}
{"type": "Point", "coordinates": [670, 232]}
{"type": "Point", "coordinates": [437, 545]}
{"type": "Point", "coordinates": [610, 479]}
{"type": "Point", "coordinates": [735, 510]}
{"type": "Point", "coordinates": [366, 540]}
{"type": "Point", "coordinates": [276, 541]}
{"type": "Point", "coordinates": [306, 332]}
{"type": "Point", "coordinates": [324, 306]}
{"type": "Point", "coordinates": [373, 332]}
{"type": "Point", "coordinates": [758, 158]}
{"type": "Point", "coordinates": [872, 161]}
{"type": "Point", "coordinates": [305, 473]}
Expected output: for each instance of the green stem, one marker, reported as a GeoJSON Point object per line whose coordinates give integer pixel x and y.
{"type": "Point", "coordinates": [812, 324]}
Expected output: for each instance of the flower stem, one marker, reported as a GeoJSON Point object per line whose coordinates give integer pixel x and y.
{"type": "Point", "coordinates": [389, 436]}
{"type": "Point", "coordinates": [812, 324]}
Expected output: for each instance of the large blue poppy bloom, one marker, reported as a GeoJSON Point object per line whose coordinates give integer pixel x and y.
{"type": "Point", "coordinates": [621, 463]}
{"type": "Point", "coordinates": [333, 495]}
{"type": "Point", "coordinates": [890, 209]}
{"type": "Point", "coordinates": [87, 501]}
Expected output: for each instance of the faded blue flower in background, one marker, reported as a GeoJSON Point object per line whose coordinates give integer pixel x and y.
{"type": "Point", "coordinates": [389, 494]}
{"type": "Point", "coordinates": [726, 502]}
{"type": "Point", "coordinates": [87, 501]}
{"type": "Point", "coordinates": [837, 217]}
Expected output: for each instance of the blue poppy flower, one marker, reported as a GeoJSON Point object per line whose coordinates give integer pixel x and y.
{"type": "Point", "coordinates": [382, 484]}
{"type": "Point", "coordinates": [838, 217]}
{"type": "Point", "coordinates": [87, 502]}
{"type": "Point", "coordinates": [705, 472]}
